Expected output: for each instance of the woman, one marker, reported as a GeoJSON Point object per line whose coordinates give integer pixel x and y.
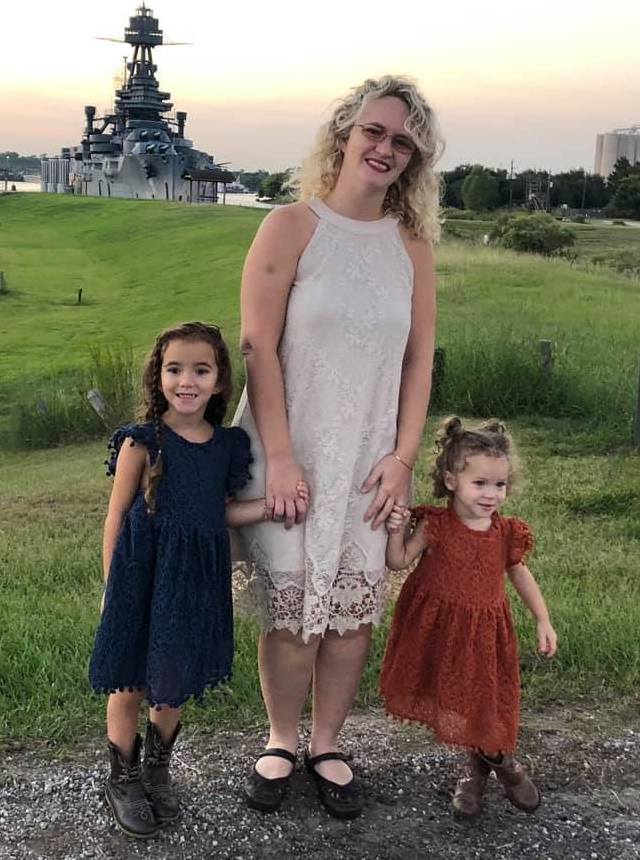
{"type": "Point", "coordinates": [338, 313]}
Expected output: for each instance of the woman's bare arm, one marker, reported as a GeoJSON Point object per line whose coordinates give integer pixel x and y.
{"type": "Point", "coordinates": [415, 387]}
{"type": "Point", "coordinates": [268, 275]}
{"type": "Point", "coordinates": [393, 475]}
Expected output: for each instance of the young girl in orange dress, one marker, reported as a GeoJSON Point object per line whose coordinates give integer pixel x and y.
{"type": "Point", "coordinates": [452, 657]}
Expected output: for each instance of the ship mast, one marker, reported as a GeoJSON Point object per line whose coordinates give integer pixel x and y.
{"type": "Point", "coordinates": [141, 97]}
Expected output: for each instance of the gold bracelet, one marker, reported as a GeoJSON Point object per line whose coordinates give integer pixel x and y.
{"type": "Point", "coordinates": [400, 460]}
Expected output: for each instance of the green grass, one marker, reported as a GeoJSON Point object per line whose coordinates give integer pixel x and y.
{"type": "Point", "coordinates": [579, 495]}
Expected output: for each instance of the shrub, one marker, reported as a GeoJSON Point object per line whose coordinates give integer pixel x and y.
{"type": "Point", "coordinates": [537, 233]}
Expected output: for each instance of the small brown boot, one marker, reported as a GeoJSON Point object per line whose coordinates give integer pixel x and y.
{"type": "Point", "coordinates": [467, 798]}
{"type": "Point", "coordinates": [517, 784]}
{"type": "Point", "coordinates": [155, 774]}
{"type": "Point", "coordinates": [125, 794]}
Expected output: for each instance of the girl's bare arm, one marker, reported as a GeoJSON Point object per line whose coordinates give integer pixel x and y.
{"type": "Point", "coordinates": [132, 461]}
{"type": "Point", "coordinates": [529, 591]}
{"type": "Point", "coordinates": [246, 513]}
{"type": "Point", "coordinates": [403, 546]}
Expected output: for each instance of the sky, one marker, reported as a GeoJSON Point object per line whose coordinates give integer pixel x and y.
{"type": "Point", "coordinates": [532, 83]}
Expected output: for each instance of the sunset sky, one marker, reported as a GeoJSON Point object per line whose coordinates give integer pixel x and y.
{"type": "Point", "coordinates": [530, 82]}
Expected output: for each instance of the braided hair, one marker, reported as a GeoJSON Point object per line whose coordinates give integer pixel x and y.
{"type": "Point", "coordinates": [455, 442]}
{"type": "Point", "coordinates": [154, 403]}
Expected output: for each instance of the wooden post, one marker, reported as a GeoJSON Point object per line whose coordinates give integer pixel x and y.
{"type": "Point", "coordinates": [80, 296]}
{"type": "Point", "coordinates": [3, 284]}
{"type": "Point", "coordinates": [546, 357]}
{"type": "Point", "coordinates": [636, 423]}
{"type": "Point", "coordinates": [437, 372]}
{"type": "Point", "coordinates": [97, 402]}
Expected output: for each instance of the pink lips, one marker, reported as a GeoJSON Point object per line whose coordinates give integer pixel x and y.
{"type": "Point", "coordinates": [378, 165]}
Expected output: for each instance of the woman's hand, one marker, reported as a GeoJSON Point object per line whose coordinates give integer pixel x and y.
{"type": "Point", "coordinates": [284, 501]}
{"type": "Point", "coordinates": [393, 478]}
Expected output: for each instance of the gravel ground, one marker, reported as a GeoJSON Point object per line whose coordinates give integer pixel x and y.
{"type": "Point", "coordinates": [586, 760]}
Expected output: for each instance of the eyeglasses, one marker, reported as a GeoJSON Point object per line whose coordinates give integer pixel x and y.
{"type": "Point", "coordinates": [378, 133]}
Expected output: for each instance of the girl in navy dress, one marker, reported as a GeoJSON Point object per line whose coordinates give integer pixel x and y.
{"type": "Point", "coordinates": [166, 632]}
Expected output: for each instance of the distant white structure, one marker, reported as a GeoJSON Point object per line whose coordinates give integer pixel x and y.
{"type": "Point", "coordinates": [614, 145]}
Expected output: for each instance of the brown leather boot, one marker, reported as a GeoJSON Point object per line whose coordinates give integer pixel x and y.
{"type": "Point", "coordinates": [467, 798]}
{"type": "Point", "coordinates": [155, 774]}
{"type": "Point", "coordinates": [517, 784]}
{"type": "Point", "coordinates": [125, 794]}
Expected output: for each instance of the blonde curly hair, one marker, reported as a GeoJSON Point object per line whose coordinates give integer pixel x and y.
{"type": "Point", "coordinates": [414, 197]}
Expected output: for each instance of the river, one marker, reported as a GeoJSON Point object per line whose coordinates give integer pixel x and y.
{"type": "Point", "coordinates": [231, 199]}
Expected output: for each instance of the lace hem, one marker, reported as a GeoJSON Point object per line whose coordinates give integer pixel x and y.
{"type": "Point", "coordinates": [351, 602]}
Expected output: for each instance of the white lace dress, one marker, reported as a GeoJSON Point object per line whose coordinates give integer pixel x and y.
{"type": "Point", "coordinates": [347, 323]}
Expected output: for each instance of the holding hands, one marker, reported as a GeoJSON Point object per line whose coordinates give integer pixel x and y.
{"type": "Point", "coordinates": [397, 520]}
{"type": "Point", "coordinates": [393, 476]}
{"type": "Point", "coordinates": [287, 493]}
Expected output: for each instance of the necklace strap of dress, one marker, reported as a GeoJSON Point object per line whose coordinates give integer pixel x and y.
{"type": "Point", "coordinates": [352, 225]}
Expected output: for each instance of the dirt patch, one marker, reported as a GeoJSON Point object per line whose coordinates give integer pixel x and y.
{"type": "Point", "coordinates": [586, 760]}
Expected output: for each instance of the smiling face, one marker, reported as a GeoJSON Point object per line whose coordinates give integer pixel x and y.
{"type": "Point", "coordinates": [479, 489]}
{"type": "Point", "coordinates": [189, 376]}
{"type": "Point", "coordinates": [377, 164]}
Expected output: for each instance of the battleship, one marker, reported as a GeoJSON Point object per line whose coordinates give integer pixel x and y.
{"type": "Point", "coordinates": [136, 151]}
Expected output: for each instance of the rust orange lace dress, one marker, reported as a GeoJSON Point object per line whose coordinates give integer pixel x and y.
{"type": "Point", "coordinates": [452, 656]}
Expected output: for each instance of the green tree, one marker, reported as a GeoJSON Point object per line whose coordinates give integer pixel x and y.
{"type": "Point", "coordinates": [452, 185]}
{"type": "Point", "coordinates": [252, 179]}
{"type": "Point", "coordinates": [627, 197]}
{"type": "Point", "coordinates": [480, 190]}
{"type": "Point", "coordinates": [621, 169]}
{"type": "Point", "coordinates": [272, 185]}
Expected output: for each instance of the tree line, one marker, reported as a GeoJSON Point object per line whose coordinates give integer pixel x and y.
{"type": "Point", "coordinates": [15, 163]}
{"type": "Point", "coordinates": [478, 188]}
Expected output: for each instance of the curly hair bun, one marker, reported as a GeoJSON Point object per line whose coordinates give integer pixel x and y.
{"type": "Point", "coordinates": [493, 425]}
{"type": "Point", "coordinates": [452, 427]}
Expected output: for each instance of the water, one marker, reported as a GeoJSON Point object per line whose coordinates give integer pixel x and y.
{"type": "Point", "coordinates": [20, 186]}
{"type": "Point", "coordinates": [231, 199]}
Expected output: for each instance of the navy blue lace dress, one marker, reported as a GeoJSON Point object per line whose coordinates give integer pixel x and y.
{"type": "Point", "coordinates": [167, 624]}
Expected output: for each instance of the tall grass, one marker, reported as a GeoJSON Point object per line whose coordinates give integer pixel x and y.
{"type": "Point", "coordinates": [58, 411]}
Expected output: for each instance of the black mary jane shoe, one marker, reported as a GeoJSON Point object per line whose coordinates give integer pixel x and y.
{"type": "Point", "coordinates": [342, 801]}
{"type": "Point", "coordinates": [267, 794]}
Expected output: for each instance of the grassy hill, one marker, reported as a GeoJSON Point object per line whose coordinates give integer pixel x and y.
{"type": "Point", "coordinates": [143, 265]}
{"type": "Point", "coordinates": [140, 266]}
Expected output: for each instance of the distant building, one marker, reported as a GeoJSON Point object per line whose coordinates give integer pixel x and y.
{"type": "Point", "coordinates": [621, 142]}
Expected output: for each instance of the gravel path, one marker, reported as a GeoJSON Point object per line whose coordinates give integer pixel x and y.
{"type": "Point", "coordinates": [587, 761]}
